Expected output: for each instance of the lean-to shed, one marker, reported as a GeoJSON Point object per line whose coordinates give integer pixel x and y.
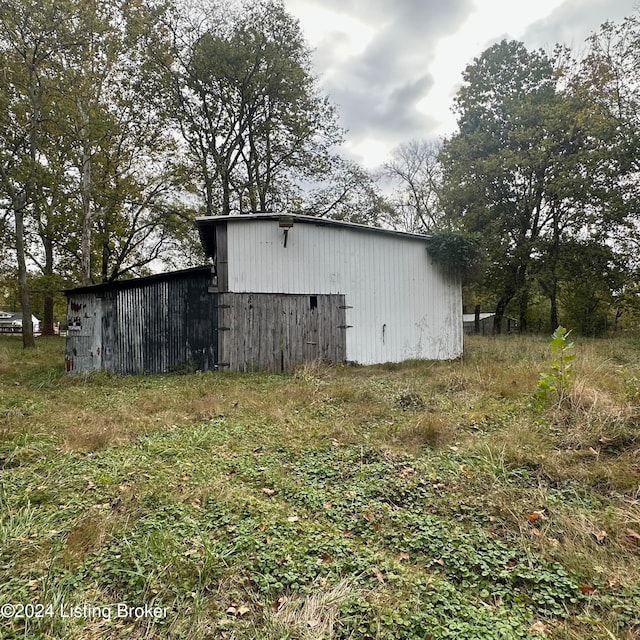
{"type": "Point", "coordinates": [154, 324]}
{"type": "Point", "coordinates": [281, 291]}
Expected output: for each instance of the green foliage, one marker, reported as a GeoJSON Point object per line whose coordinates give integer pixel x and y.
{"type": "Point", "coordinates": [556, 383]}
{"type": "Point", "coordinates": [459, 251]}
{"type": "Point", "coordinates": [266, 506]}
{"type": "Point", "coordinates": [543, 164]}
{"type": "Point", "coordinates": [250, 108]}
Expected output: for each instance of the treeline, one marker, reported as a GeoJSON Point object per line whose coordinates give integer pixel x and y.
{"type": "Point", "coordinates": [121, 121]}
{"type": "Point", "coordinates": [543, 176]}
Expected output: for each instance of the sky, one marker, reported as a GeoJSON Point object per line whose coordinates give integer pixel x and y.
{"type": "Point", "coordinates": [393, 66]}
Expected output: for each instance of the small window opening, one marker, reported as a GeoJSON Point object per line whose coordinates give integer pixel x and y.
{"type": "Point", "coordinates": [313, 302]}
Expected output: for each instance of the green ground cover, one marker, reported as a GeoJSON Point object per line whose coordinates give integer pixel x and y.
{"type": "Point", "coordinates": [415, 501]}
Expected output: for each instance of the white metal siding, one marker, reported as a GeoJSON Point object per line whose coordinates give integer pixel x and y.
{"type": "Point", "coordinates": [404, 307]}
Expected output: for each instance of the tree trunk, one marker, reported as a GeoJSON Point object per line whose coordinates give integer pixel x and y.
{"type": "Point", "coordinates": [28, 340]}
{"type": "Point", "coordinates": [47, 312]}
{"type": "Point", "coordinates": [87, 218]}
{"type": "Point", "coordinates": [523, 306]}
{"type": "Point", "coordinates": [497, 318]}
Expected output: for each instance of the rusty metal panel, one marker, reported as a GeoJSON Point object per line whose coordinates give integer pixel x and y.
{"type": "Point", "coordinates": [149, 325]}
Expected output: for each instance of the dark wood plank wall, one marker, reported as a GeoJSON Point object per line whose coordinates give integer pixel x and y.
{"type": "Point", "coordinates": [277, 332]}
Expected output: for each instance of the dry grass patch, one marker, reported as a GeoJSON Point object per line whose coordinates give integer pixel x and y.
{"type": "Point", "coordinates": [431, 430]}
{"type": "Point", "coordinates": [311, 617]}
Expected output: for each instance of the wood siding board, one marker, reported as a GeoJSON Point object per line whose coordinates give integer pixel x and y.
{"type": "Point", "coordinates": [222, 257]}
{"type": "Point", "coordinates": [272, 331]}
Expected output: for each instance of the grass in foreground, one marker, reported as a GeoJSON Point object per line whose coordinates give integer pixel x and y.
{"type": "Point", "coordinates": [423, 500]}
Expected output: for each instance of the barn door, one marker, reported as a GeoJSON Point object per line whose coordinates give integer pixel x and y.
{"type": "Point", "coordinates": [279, 332]}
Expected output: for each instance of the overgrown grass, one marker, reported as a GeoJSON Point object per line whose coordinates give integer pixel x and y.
{"type": "Point", "coordinates": [422, 500]}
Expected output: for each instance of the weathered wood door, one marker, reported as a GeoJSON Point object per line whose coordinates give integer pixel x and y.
{"type": "Point", "coordinates": [278, 332]}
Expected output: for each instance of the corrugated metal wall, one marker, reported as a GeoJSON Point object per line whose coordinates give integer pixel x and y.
{"type": "Point", "coordinates": [144, 326]}
{"type": "Point", "coordinates": [403, 306]}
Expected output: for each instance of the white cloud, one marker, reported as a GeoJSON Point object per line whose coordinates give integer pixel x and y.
{"type": "Point", "coordinates": [393, 68]}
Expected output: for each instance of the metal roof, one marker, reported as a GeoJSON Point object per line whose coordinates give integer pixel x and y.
{"type": "Point", "coordinates": [300, 218]}
{"type": "Point", "coordinates": [134, 282]}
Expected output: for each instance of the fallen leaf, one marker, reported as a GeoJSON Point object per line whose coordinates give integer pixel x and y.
{"type": "Point", "coordinates": [313, 623]}
{"type": "Point", "coordinates": [293, 519]}
{"type": "Point", "coordinates": [614, 582]}
{"type": "Point", "coordinates": [268, 492]}
{"type": "Point", "coordinates": [440, 485]}
{"type": "Point", "coordinates": [378, 574]}
{"type": "Point", "coordinates": [231, 611]}
{"type": "Point", "coordinates": [327, 505]}
{"type": "Point", "coordinates": [439, 561]}
{"type": "Point", "coordinates": [403, 555]}
{"type": "Point", "coordinates": [532, 517]}
{"type": "Point", "coordinates": [539, 627]}
{"type": "Point", "coordinates": [326, 558]}
{"type": "Point", "coordinates": [407, 471]}
{"type": "Point", "coordinates": [631, 540]}
{"type": "Point", "coordinates": [600, 536]}
{"type": "Point", "coordinates": [243, 610]}
{"type": "Point", "coordinates": [587, 589]}
{"type": "Point", "coordinates": [369, 517]}
{"type": "Point", "coordinates": [279, 603]}
{"type": "Point", "coordinates": [630, 533]}
{"type": "Point", "coordinates": [535, 532]}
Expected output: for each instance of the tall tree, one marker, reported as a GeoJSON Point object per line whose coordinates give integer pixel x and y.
{"type": "Point", "coordinates": [122, 149]}
{"type": "Point", "coordinates": [515, 171]}
{"type": "Point", "coordinates": [250, 110]}
{"type": "Point", "coordinates": [346, 192]}
{"type": "Point", "coordinates": [32, 37]}
{"type": "Point", "coordinates": [608, 81]}
{"type": "Point", "coordinates": [415, 173]}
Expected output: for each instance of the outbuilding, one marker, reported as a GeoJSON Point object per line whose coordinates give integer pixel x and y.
{"type": "Point", "coordinates": [485, 322]}
{"type": "Point", "coordinates": [11, 322]}
{"type": "Point", "coordinates": [281, 290]}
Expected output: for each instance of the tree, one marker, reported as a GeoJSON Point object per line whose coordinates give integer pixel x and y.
{"type": "Point", "coordinates": [122, 150]}
{"type": "Point", "coordinates": [516, 170]}
{"type": "Point", "coordinates": [250, 111]}
{"type": "Point", "coordinates": [415, 172]}
{"type": "Point", "coordinates": [32, 35]}
{"type": "Point", "coordinates": [346, 192]}
{"type": "Point", "coordinates": [608, 81]}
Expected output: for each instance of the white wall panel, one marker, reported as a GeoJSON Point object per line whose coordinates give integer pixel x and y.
{"type": "Point", "coordinates": [403, 306]}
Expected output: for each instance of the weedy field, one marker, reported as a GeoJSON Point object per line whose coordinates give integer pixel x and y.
{"type": "Point", "coordinates": [467, 499]}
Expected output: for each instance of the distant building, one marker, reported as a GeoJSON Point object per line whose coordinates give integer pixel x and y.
{"type": "Point", "coordinates": [486, 323]}
{"type": "Point", "coordinates": [282, 290]}
{"type": "Point", "coordinates": [11, 322]}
